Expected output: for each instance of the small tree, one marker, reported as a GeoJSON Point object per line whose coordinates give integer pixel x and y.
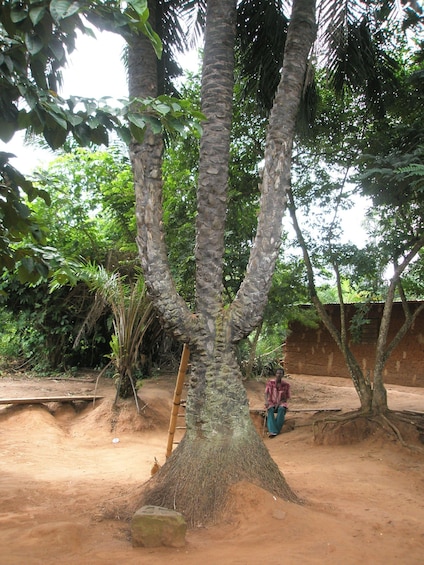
{"type": "Point", "coordinates": [132, 314]}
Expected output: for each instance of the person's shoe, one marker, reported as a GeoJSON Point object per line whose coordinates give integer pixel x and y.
{"type": "Point", "coordinates": [272, 435]}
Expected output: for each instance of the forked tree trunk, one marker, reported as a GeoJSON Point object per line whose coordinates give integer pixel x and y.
{"type": "Point", "coordinates": [221, 445]}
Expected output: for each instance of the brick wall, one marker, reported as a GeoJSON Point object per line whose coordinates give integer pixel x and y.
{"type": "Point", "coordinates": [314, 352]}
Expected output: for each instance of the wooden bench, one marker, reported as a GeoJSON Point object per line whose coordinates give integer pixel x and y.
{"type": "Point", "coordinates": [47, 399]}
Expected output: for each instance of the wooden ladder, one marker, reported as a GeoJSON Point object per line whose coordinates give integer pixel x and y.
{"type": "Point", "coordinates": [177, 403]}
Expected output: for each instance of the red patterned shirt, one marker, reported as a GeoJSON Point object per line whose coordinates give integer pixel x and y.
{"type": "Point", "coordinates": [276, 394]}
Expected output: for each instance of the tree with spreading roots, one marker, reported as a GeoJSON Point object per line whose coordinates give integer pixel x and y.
{"type": "Point", "coordinates": [221, 445]}
{"type": "Point", "coordinates": [373, 158]}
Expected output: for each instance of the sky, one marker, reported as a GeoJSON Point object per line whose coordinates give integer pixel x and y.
{"type": "Point", "coordinates": [94, 70]}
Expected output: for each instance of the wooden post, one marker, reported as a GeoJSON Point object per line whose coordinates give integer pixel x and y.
{"type": "Point", "coordinates": [177, 398]}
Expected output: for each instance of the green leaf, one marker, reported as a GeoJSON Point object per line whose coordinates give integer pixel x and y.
{"type": "Point", "coordinates": [36, 14]}
{"type": "Point", "coordinates": [162, 109]}
{"type": "Point", "coordinates": [55, 137]}
{"type": "Point", "coordinates": [154, 38]}
{"type": "Point", "coordinates": [137, 120]}
{"type": "Point", "coordinates": [154, 123]}
{"type": "Point", "coordinates": [56, 47]}
{"type": "Point", "coordinates": [124, 134]}
{"type": "Point", "coordinates": [61, 9]}
{"type": "Point", "coordinates": [7, 129]}
{"type": "Point", "coordinates": [34, 43]}
{"type": "Point", "coordinates": [140, 6]}
{"type": "Point", "coordinates": [99, 136]}
{"type": "Point", "coordinates": [18, 13]}
{"type": "Point", "coordinates": [137, 133]}
{"type": "Point", "coordinates": [82, 134]}
{"type": "Point", "coordinates": [58, 119]}
{"type": "Point", "coordinates": [27, 263]}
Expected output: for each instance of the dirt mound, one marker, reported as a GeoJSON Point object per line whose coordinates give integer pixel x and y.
{"type": "Point", "coordinates": [122, 418]}
{"type": "Point", "coordinates": [23, 420]}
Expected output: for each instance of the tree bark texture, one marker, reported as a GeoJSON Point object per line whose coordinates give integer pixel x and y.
{"type": "Point", "coordinates": [220, 447]}
{"type": "Point", "coordinates": [146, 161]}
{"type": "Point", "coordinates": [216, 105]}
{"type": "Point", "coordinates": [248, 307]}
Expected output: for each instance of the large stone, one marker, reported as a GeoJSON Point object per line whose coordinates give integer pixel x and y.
{"type": "Point", "coordinates": [153, 526]}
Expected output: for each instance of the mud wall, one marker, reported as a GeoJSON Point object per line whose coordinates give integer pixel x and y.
{"type": "Point", "coordinates": [313, 351]}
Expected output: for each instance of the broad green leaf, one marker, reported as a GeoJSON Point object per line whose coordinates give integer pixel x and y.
{"type": "Point", "coordinates": [56, 47]}
{"type": "Point", "coordinates": [154, 38]}
{"type": "Point", "coordinates": [82, 134]}
{"type": "Point", "coordinates": [27, 263]}
{"type": "Point", "coordinates": [61, 9]}
{"type": "Point", "coordinates": [18, 13]}
{"type": "Point", "coordinates": [34, 43]}
{"type": "Point", "coordinates": [162, 109]}
{"type": "Point", "coordinates": [7, 129]}
{"type": "Point", "coordinates": [55, 137]}
{"type": "Point", "coordinates": [140, 6]}
{"type": "Point", "coordinates": [99, 136]}
{"type": "Point", "coordinates": [9, 63]}
{"type": "Point", "coordinates": [154, 123]}
{"type": "Point", "coordinates": [137, 132]}
{"type": "Point", "coordinates": [74, 119]}
{"type": "Point", "coordinates": [137, 120]}
{"type": "Point", "coordinates": [36, 14]}
{"type": "Point", "coordinates": [58, 119]}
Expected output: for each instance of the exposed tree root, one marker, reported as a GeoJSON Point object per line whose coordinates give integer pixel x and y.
{"type": "Point", "coordinates": [352, 427]}
{"type": "Point", "coordinates": [196, 479]}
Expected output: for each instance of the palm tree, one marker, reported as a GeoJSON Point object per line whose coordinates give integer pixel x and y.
{"type": "Point", "coordinates": [132, 315]}
{"type": "Point", "coordinates": [221, 445]}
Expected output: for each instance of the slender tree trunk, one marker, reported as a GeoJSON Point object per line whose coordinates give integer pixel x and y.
{"type": "Point", "coordinates": [146, 160]}
{"type": "Point", "coordinates": [383, 350]}
{"type": "Point", "coordinates": [361, 383]}
{"type": "Point", "coordinates": [252, 352]}
{"type": "Point", "coordinates": [248, 306]}
{"type": "Point", "coordinates": [216, 97]}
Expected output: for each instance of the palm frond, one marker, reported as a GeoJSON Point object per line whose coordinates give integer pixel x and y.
{"type": "Point", "coordinates": [353, 47]}
{"type": "Point", "coordinates": [262, 29]}
{"type": "Point", "coordinates": [193, 15]}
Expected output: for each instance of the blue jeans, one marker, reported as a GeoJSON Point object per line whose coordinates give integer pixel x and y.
{"type": "Point", "coordinates": [275, 420]}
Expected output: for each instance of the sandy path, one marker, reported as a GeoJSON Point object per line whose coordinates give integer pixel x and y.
{"type": "Point", "coordinates": [63, 484]}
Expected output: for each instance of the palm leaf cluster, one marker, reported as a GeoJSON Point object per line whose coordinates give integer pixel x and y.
{"type": "Point", "coordinates": [132, 315]}
{"type": "Point", "coordinates": [261, 30]}
{"type": "Point", "coordinates": [356, 36]}
{"type": "Point", "coordinates": [353, 45]}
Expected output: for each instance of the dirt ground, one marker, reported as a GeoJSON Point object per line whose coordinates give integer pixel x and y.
{"type": "Point", "coordinates": [68, 471]}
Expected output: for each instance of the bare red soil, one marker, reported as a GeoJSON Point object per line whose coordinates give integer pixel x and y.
{"type": "Point", "coordinates": [66, 485]}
